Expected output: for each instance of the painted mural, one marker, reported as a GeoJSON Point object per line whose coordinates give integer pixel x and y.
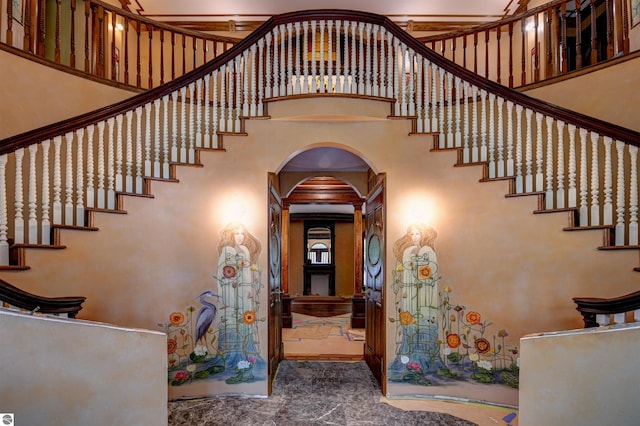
{"type": "Point", "coordinates": [221, 340]}
{"type": "Point", "coordinates": [439, 340]}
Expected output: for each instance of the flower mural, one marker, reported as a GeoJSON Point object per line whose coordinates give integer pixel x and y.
{"type": "Point", "coordinates": [439, 341]}
{"type": "Point", "coordinates": [222, 341]}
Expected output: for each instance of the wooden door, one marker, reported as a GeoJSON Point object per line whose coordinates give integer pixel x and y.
{"type": "Point", "coordinates": [374, 282]}
{"type": "Point", "coordinates": [275, 346]}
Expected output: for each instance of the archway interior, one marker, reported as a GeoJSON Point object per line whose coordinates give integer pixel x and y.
{"type": "Point", "coordinates": [323, 190]}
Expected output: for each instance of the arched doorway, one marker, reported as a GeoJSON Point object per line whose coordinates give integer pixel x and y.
{"type": "Point", "coordinates": [321, 188]}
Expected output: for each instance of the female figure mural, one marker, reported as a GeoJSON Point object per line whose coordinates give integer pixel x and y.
{"type": "Point", "coordinates": [416, 290]}
{"type": "Point", "coordinates": [240, 285]}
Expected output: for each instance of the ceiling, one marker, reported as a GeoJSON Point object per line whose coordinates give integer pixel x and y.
{"type": "Point", "coordinates": [246, 15]}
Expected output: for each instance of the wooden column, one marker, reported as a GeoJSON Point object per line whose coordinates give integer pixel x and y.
{"type": "Point", "coordinates": [287, 319]}
{"type": "Point", "coordinates": [357, 249]}
{"type": "Point", "coordinates": [357, 301]}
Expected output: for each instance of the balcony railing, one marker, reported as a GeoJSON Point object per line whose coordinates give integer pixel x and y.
{"type": "Point", "coordinates": [545, 42]}
{"type": "Point", "coordinates": [107, 42]}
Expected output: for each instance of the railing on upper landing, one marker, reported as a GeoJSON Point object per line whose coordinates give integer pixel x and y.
{"type": "Point", "coordinates": [548, 41]}
{"type": "Point", "coordinates": [600, 312]}
{"type": "Point", "coordinates": [52, 176]}
{"type": "Point", "coordinates": [106, 42]}
{"type": "Point", "coordinates": [14, 298]}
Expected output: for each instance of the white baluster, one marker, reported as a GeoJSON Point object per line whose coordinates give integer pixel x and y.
{"type": "Point", "coordinates": [174, 128]}
{"type": "Point", "coordinates": [101, 170]}
{"type": "Point", "coordinates": [396, 79]}
{"type": "Point", "coordinates": [128, 184]}
{"type": "Point", "coordinates": [510, 142]}
{"type": "Point", "coordinates": [267, 74]}
{"type": "Point", "coordinates": [560, 193]}
{"type": "Point", "coordinates": [238, 92]}
{"type": "Point", "coordinates": [231, 97]}
{"type": "Point", "coordinates": [330, 84]}
{"type": "Point", "coordinates": [339, 72]}
{"type": "Point", "coordinates": [4, 221]}
{"type": "Point", "coordinates": [474, 125]}
{"type": "Point", "coordinates": [607, 208]}
{"type": "Point", "coordinates": [223, 98]}
{"type": "Point", "coordinates": [636, 315]}
{"type": "Point", "coordinates": [518, 171]}
{"type": "Point", "coordinates": [156, 145]}
{"type": "Point", "coordinates": [383, 62]}
{"type": "Point", "coordinates": [483, 126]}
{"type": "Point", "coordinates": [90, 186]}
{"type": "Point", "coordinates": [290, 89]}
{"type": "Point", "coordinates": [368, 88]}
{"type": "Point", "coordinates": [206, 142]}
{"type": "Point", "coordinates": [633, 196]}
{"type": "Point", "coordinates": [314, 74]}
{"type": "Point", "coordinates": [458, 100]}
{"type": "Point", "coordinates": [572, 194]}
{"type": "Point", "coordinates": [215, 110]}
{"type": "Point", "coordinates": [583, 181]}
{"type": "Point", "coordinates": [33, 217]}
{"type": "Point", "coordinates": [620, 196]}
{"type": "Point", "coordinates": [111, 193]}
{"type": "Point", "coordinates": [595, 181]}
{"type": "Point", "coordinates": [361, 64]}
{"type": "Point", "coordinates": [198, 116]}
{"type": "Point", "coordinates": [450, 141]}
{"type": "Point", "coordinates": [18, 220]}
{"type": "Point", "coordinates": [297, 88]}
{"type": "Point", "coordinates": [321, 83]}
{"type": "Point", "coordinates": [539, 158]}
{"type": "Point", "coordinates": [68, 183]}
{"type": "Point", "coordinates": [139, 141]}
{"type": "Point", "coordinates": [411, 94]}
{"type": "Point", "coordinates": [283, 67]}
{"type": "Point", "coordinates": [80, 179]}
{"type": "Point", "coordinates": [305, 58]}
{"type": "Point", "coordinates": [491, 135]}
{"type": "Point", "coordinates": [549, 164]}
{"type": "Point", "coordinates": [420, 95]}
{"type": "Point", "coordinates": [391, 52]}
{"type": "Point", "coordinates": [147, 136]}
{"type": "Point", "coordinates": [619, 318]}
{"type": "Point", "coordinates": [500, 138]}
{"type": "Point", "coordinates": [402, 66]}
{"type": "Point", "coordinates": [260, 76]}
{"type": "Point", "coordinates": [45, 221]}
{"type": "Point", "coordinates": [190, 158]}
{"type": "Point", "coordinates": [354, 62]}
{"type": "Point", "coordinates": [253, 105]}
{"type": "Point", "coordinates": [375, 81]}
{"type": "Point", "coordinates": [603, 319]}
{"type": "Point", "coordinates": [118, 154]}
{"type": "Point", "coordinates": [166, 150]}
{"type": "Point", "coordinates": [276, 62]}
{"type": "Point", "coordinates": [466, 149]}
{"type": "Point", "coordinates": [441, 104]}
{"type": "Point", "coordinates": [528, 153]}
{"type": "Point", "coordinates": [244, 70]}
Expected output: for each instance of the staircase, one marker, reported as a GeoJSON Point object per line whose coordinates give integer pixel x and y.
{"type": "Point", "coordinates": [57, 176]}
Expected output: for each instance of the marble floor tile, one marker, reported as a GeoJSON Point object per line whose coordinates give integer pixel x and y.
{"type": "Point", "coordinates": [335, 393]}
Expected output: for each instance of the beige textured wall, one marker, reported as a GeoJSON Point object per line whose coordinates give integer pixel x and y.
{"type": "Point", "coordinates": [609, 94]}
{"type": "Point", "coordinates": [80, 373]}
{"type": "Point", "coordinates": [519, 269]}
{"type": "Point", "coordinates": [35, 96]}
{"type": "Point", "coordinates": [580, 378]}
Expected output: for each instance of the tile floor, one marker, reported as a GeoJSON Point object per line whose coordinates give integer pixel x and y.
{"type": "Point", "coordinates": [310, 393]}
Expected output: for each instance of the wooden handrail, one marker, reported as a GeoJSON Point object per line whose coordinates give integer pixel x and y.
{"type": "Point", "coordinates": [589, 307]}
{"type": "Point", "coordinates": [547, 41]}
{"type": "Point", "coordinates": [571, 117]}
{"type": "Point", "coordinates": [46, 305]}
